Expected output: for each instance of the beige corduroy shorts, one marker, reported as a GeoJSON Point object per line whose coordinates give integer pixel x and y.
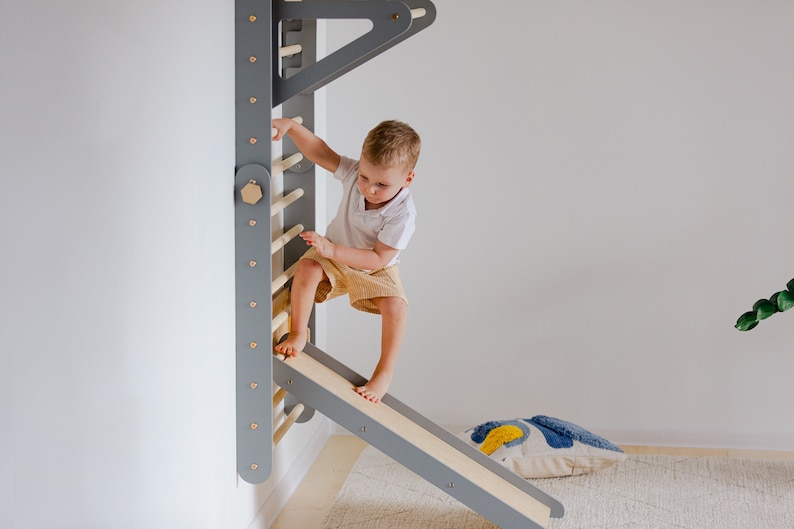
{"type": "Point", "coordinates": [362, 287]}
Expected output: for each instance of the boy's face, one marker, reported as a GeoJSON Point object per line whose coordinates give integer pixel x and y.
{"type": "Point", "coordinates": [381, 184]}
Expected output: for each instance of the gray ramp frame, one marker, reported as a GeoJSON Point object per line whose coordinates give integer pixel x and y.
{"type": "Point", "coordinates": [405, 452]}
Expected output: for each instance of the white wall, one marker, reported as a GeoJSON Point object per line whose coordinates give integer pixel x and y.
{"type": "Point", "coordinates": [116, 222]}
{"type": "Point", "coordinates": [604, 188]}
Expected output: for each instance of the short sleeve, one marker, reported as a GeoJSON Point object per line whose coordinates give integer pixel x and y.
{"type": "Point", "coordinates": [398, 230]}
{"type": "Point", "coordinates": [347, 167]}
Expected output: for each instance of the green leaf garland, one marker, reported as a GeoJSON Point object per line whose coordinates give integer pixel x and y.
{"type": "Point", "coordinates": [764, 308]}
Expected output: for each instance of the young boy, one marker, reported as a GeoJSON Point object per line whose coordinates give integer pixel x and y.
{"type": "Point", "coordinates": [358, 255]}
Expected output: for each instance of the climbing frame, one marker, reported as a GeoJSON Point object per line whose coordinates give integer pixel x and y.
{"type": "Point", "coordinates": [277, 66]}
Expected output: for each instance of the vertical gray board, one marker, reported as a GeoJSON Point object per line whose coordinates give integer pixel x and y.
{"type": "Point", "coordinates": [407, 454]}
{"type": "Point", "coordinates": [302, 175]}
{"type": "Point", "coordinates": [252, 241]}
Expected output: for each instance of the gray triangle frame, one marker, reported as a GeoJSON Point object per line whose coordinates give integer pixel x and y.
{"type": "Point", "coordinates": [392, 23]}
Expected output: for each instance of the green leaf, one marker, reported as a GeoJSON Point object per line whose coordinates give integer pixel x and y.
{"type": "Point", "coordinates": [746, 321]}
{"type": "Point", "coordinates": [790, 286]}
{"type": "Point", "coordinates": [773, 300]}
{"type": "Point", "coordinates": [785, 300]}
{"type": "Point", "coordinates": [764, 309]}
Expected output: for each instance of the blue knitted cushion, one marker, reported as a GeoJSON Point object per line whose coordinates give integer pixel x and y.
{"type": "Point", "coordinates": [543, 447]}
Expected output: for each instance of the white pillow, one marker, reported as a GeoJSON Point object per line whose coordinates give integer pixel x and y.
{"type": "Point", "coordinates": [543, 447]}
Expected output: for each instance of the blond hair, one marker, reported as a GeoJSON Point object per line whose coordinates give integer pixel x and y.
{"type": "Point", "coordinates": [392, 144]}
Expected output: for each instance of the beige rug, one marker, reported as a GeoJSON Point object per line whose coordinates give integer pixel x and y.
{"type": "Point", "coordinates": [643, 492]}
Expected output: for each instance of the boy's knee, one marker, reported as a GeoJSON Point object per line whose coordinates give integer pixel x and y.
{"type": "Point", "coordinates": [308, 274]}
{"type": "Point", "coordinates": [308, 268]}
{"type": "Point", "coordinates": [391, 306]}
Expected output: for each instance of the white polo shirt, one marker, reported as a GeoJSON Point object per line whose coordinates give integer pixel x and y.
{"type": "Point", "coordinates": [357, 227]}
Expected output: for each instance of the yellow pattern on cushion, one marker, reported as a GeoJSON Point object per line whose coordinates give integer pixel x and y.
{"type": "Point", "coordinates": [499, 436]}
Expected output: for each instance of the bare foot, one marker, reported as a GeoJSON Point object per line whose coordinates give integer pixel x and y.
{"type": "Point", "coordinates": [293, 345]}
{"type": "Point", "coordinates": [376, 388]}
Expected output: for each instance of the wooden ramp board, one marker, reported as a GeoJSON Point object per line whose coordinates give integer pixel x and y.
{"type": "Point", "coordinates": [435, 454]}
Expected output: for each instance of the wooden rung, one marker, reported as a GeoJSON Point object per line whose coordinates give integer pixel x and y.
{"type": "Point", "coordinates": [280, 319]}
{"type": "Point", "coordinates": [288, 422]}
{"type": "Point", "coordinates": [285, 201]}
{"type": "Point", "coordinates": [285, 163]}
{"type": "Point", "coordinates": [419, 12]}
{"type": "Point", "coordinates": [274, 130]}
{"type": "Point", "coordinates": [286, 51]}
{"type": "Point", "coordinates": [282, 279]}
{"type": "Point", "coordinates": [296, 119]}
{"type": "Point", "coordinates": [279, 243]}
{"type": "Point", "coordinates": [279, 396]}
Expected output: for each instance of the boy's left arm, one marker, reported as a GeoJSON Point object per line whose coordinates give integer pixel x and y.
{"type": "Point", "coordinates": [358, 258]}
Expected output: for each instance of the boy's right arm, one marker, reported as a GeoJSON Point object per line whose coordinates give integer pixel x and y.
{"type": "Point", "coordinates": [312, 147]}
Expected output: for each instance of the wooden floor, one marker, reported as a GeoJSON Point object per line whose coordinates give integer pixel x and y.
{"type": "Point", "coordinates": [315, 495]}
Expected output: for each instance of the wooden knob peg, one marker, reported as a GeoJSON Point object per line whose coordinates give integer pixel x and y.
{"type": "Point", "coordinates": [251, 192]}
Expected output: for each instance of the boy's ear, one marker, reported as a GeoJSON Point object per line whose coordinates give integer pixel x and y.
{"type": "Point", "coordinates": [409, 179]}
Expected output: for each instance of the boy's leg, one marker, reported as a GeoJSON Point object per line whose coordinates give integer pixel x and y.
{"type": "Point", "coordinates": [394, 320]}
{"type": "Point", "coordinates": [308, 275]}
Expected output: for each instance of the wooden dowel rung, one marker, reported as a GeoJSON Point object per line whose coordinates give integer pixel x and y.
{"type": "Point", "coordinates": [279, 396]}
{"type": "Point", "coordinates": [296, 119]}
{"type": "Point", "coordinates": [279, 243]}
{"type": "Point", "coordinates": [286, 51]}
{"type": "Point", "coordinates": [285, 201]}
{"type": "Point", "coordinates": [282, 279]}
{"type": "Point", "coordinates": [419, 12]}
{"type": "Point", "coordinates": [280, 319]}
{"type": "Point", "coordinates": [285, 163]}
{"type": "Point", "coordinates": [288, 422]}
